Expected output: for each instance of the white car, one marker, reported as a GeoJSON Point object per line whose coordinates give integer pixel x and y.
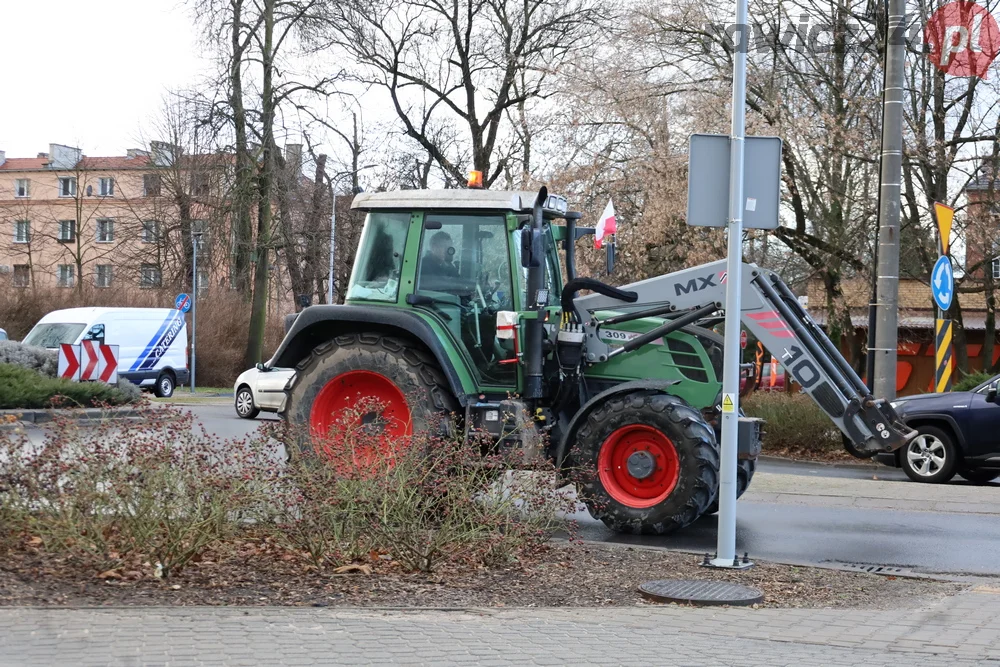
{"type": "Point", "coordinates": [3, 335]}
{"type": "Point", "coordinates": [260, 389]}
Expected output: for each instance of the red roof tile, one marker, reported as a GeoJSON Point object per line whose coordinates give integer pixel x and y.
{"type": "Point", "coordinates": [90, 163]}
{"type": "Point", "coordinates": [114, 162]}
{"type": "Point", "coordinates": [19, 163]}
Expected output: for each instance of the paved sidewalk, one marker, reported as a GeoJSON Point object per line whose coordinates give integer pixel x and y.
{"type": "Point", "coordinates": [954, 632]}
{"type": "Point", "coordinates": [873, 494]}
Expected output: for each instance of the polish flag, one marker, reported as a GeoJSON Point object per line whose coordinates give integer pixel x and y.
{"type": "Point", "coordinates": [606, 225]}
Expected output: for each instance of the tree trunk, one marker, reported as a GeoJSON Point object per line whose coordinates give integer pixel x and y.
{"type": "Point", "coordinates": [243, 186]}
{"type": "Point", "coordinates": [265, 182]}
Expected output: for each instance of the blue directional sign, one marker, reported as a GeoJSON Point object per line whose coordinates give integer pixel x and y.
{"type": "Point", "coordinates": [182, 303]}
{"type": "Point", "coordinates": [943, 283]}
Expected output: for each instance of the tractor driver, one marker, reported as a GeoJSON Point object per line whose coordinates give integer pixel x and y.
{"type": "Point", "coordinates": [437, 267]}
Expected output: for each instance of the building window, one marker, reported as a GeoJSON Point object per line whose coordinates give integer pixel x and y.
{"type": "Point", "coordinates": [199, 185]}
{"type": "Point", "coordinates": [106, 186]}
{"type": "Point", "coordinates": [150, 276]}
{"type": "Point", "coordinates": [22, 231]}
{"type": "Point", "coordinates": [151, 185]}
{"type": "Point", "coordinates": [67, 230]}
{"type": "Point", "coordinates": [202, 279]}
{"type": "Point", "coordinates": [996, 268]}
{"type": "Point", "coordinates": [105, 230]}
{"type": "Point", "coordinates": [22, 187]}
{"type": "Point", "coordinates": [150, 231]}
{"type": "Point", "coordinates": [22, 275]}
{"type": "Point", "coordinates": [67, 186]}
{"type": "Point", "coordinates": [102, 275]}
{"type": "Point", "coordinates": [66, 275]}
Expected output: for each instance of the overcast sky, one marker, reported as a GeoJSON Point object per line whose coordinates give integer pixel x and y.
{"type": "Point", "coordinates": [92, 75]}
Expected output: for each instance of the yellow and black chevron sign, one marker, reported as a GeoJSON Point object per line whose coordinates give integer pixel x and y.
{"type": "Point", "coordinates": [942, 355]}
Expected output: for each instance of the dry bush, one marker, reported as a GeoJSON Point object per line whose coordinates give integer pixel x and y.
{"type": "Point", "coordinates": [793, 421]}
{"type": "Point", "coordinates": [126, 492]}
{"type": "Point", "coordinates": [156, 492]}
{"type": "Point", "coordinates": [223, 321]}
{"type": "Point", "coordinates": [420, 500]}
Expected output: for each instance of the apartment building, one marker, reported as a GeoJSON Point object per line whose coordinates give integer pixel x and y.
{"type": "Point", "coordinates": [72, 221]}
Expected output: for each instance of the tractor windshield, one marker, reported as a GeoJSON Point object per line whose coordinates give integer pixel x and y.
{"type": "Point", "coordinates": [379, 260]}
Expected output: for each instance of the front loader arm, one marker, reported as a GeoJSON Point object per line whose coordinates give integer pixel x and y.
{"type": "Point", "coordinates": [774, 315]}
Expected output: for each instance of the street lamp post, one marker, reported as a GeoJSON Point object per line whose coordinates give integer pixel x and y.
{"type": "Point", "coordinates": [195, 239]}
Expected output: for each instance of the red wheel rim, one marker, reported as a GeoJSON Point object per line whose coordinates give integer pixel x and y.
{"type": "Point", "coordinates": [337, 405]}
{"type": "Point", "coordinates": [613, 466]}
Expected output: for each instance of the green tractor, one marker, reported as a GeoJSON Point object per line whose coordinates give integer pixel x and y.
{"type": "Point", "coordinates": [457, 307]}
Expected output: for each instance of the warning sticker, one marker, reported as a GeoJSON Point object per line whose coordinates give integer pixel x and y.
{"type": "Point", "coordinates": [728, 403]}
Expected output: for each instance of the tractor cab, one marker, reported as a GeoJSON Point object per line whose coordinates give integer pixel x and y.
{"type": "Point", "coordinates": [461, 259]}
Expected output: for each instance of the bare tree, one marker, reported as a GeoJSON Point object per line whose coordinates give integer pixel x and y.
{"type": "Point", "coordinates": [460, 66]}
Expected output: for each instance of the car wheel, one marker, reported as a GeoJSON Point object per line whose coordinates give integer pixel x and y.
{"type": "Point", "coordinates": [930, 457]}
{"type": "Point", "coordinates": [245, 408]}
{"type": "Point", "coordinates": [978, 475]}
{"type": "Point", "coordinates": [164, 385]}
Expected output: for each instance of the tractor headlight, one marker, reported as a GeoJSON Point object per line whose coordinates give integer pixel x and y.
{"type": "Point", "coordinates": [557, 204]}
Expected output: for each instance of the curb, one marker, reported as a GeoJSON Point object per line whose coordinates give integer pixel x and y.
{"type": "Point", "coordinates": [83, 415]}
{"type": "Point", "coordinates": [825, 464]}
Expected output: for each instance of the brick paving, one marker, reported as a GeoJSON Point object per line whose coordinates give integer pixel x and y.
{"type": "Point", "coordinates": [954, 632]}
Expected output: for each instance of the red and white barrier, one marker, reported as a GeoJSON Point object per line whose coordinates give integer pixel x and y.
{"type": "Point", "coordinates": [69, 362]}
{"type": "Point", "coordinates": [89, 361]}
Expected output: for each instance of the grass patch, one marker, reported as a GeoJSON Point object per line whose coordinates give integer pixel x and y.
{"type": "Point", "coordinates": [23, 388]}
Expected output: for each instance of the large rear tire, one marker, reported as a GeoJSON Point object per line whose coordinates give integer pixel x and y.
{"type": "Point", "coordinates": [745, 469]}
{"type": "Point", "coordinates": [648, 461]}
{"type": "Point", "coordinates": [343, 373]}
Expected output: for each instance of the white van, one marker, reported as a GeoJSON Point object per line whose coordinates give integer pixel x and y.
{"type": "Point", "coordinates": [152, 342]}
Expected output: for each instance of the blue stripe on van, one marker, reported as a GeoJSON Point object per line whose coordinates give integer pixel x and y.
{"type": "Point", "coordinates": [160, 341]}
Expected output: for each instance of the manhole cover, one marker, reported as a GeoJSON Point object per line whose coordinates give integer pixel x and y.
{"type": "Point", "coordinates": [700, 592]}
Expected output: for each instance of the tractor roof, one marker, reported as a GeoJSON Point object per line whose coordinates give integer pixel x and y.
{"type": "Point", "coordinates": [497, 200]}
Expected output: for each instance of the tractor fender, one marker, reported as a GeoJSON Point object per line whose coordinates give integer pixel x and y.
{"type": "Point", "coordinates": [624, 388]}
{"type": "Point", "coordinates": [316, 325]}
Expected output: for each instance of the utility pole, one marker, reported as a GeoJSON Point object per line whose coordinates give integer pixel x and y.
{"type": "Point", "coordinates": [726, 554]}
{"type": "Point", "coordinates": [195, 243]}
{"type": "Point", "coordinates": [891, 170]}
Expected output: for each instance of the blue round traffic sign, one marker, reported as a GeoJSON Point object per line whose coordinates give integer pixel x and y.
{"type": "Point", "coordinates": [182, 303]}
{"type": "Point", "coordinates": [943, 283]}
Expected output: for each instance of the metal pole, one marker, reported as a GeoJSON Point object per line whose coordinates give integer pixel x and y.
{"type": "Point", "coordinates": [194, 303]}
{"type": "Point", "coordinates": [726, 554]}
{"type": "Point", "coordinates": [891, 168]}
{"type": "Point", "coordinates": [333, 242]}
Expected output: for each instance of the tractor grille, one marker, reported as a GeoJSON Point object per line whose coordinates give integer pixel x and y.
{"type": "Point", "coordinates": [687, 360]}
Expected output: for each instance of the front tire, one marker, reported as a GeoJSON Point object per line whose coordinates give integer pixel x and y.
{"type": "Point", "coordinates": [930, 457]}
{"type": "Point", "coordinates": [245, 408]}
{"type": "Point", "coordinates": [978, 475]}
{"type": "Point", "coordinates": [355, 367]}
{"type": "Point", "coordinates": [649, 463]}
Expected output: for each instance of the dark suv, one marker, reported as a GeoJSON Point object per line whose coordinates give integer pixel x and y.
{"type": "Point", "coordinates": [959, 433]}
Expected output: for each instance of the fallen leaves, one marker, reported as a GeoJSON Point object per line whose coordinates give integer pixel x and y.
{"type": "Point", "coordinates": [353, 567]}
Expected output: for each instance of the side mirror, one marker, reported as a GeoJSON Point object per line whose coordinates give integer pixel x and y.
{"type": "Point", "coordinates": [260, 367]}
{"type": "Point", "coordinates": [531, 248]}
{"type": "Point", "coordinates": [991, 392]}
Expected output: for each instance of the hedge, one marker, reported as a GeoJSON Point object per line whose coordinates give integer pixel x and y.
{"type": "Point", "coordinates": [23, 388]}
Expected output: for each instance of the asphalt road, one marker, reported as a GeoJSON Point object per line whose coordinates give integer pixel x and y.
{"type": "Point", "coordinates": [927, 542]}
